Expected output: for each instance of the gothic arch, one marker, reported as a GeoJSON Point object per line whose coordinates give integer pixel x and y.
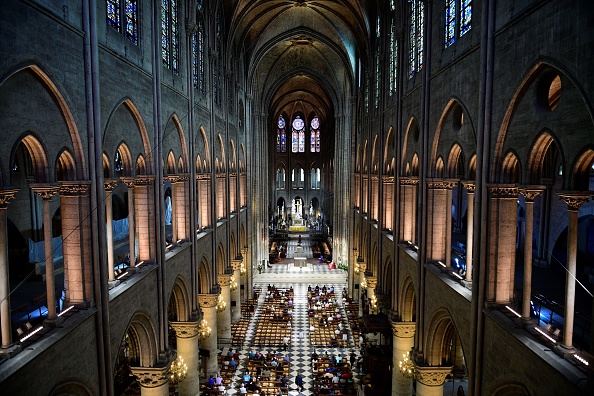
{"type": "Point", "coordinates": [65, 166]}
{"type": "Point", "coordinates": [141, 166]}
{"type": "Point", "coordinates": [411, 139]}
{"type": "Point", "coordinates": [439, 168]}
{"type": "Point", "coordinates": [510, 169]}
{"type": "Point", "coordinates": [204, 277]}
{"type": "Point", "coordinates": [143, 339]}
{"type": "Point", "coordinates": [456, 154]}
{"type": "Point", "coordinates": [233, 163]}
{"type": "Point", "coordinates": [441, 332]}
{"type": "Point", "coordinates": [582, 168]}
{"type": "Point", "coordinates": [203, 150]}
{"type": "Point", "coordinates": [126, 157]}
{"type": "Point", "coordinates": [179, 298]}
{"type": "Point", "coordinates": [171, 163]}
{"type": "Point", "coordinates": [388, 162]}
{"type": "Point", "coordinates": [71, 387]}
{"type": "Point", "coordinates": [374, 155]}
{"type": "Point", "coordinates": [38, 157]}
{"type": "Point", "coordinates": [407, 300]}
{"type": "Point", "coordinates": [221, 262]}
{"type": "Point", "coordinates": [182, 141]}
{"type": "Point", "coordinates": [386, 280]}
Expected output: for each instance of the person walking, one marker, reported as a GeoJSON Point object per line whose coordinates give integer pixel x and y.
{"type": "Point", "coordinates": [299, 382]}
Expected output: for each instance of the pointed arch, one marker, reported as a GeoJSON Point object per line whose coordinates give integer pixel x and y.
{"type": "Point", "coordinates": [389, 152]}
{"type": "Point", "coordinates": [171, 163]}
{"type": "Point", "coordinates": [182, 141]}
{"type": "Point", "coordinates": [221, 262]}
{"type": "Point", "coordinates": [36, 153]}
{"type": "Point", "coordinates": [374, 155]}
{"type": "Point", "coordinates": [126, 160]}
{"type": "Point", "coordinates": [65, 166]}
{"type": "Point", "coordinates": [179, 298]}
{"type": "Point", "coordinates": [510, 169]}
{"type": "Point", "coordinates": [140, 166]}
{"type": "Point", "coordinates": [142, 338]}
{"type": "Point", "coordinates": [545, 154]}
{"type": "Point", "coordinates": [441, 331]}
{"type": "Point", "coordinates": [454, 158]}
{"type": "Point", "coordinates": [204, 277]}
{"type": "Point", "coordinates": [580, 176]}
{"type": "Point", "coordinates": [439, 168]}
{"type": "Point", "coordinates": [407, 300]}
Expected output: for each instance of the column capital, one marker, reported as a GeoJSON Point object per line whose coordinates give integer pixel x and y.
{"type": "Point", "coordinates": [128, 181]}
{"type": "Point", "coordinates": [441, 184]}
{"type": "Point", "coordinates": [403, 329]}
{"type": "Point", "coordinates": [151, 377]}
{"type": "Point", "coordinates": [236, 263]}
{"type": "Point", "coordinates": [409, 181]}
{"type": "Point", "coordinates": [207, 300]}
{"type": "Point", "coordinates": [244, 251]}
{"type": "Point", "coordinates": [110, 184]}
{"type": "Point", "coordinates": [171, 178]}
{"type": "Point", "coordinates": [75, 188]}
{"type": "Point", "coordinates": [574, 199]}
{"type": "Point", "coordinates": [45, 190]}
{"type": "Point", "coordinates": [145, 180]}
{"type": "Point", "coordinates": [202, 176]}
{"type": "Point", "coordinates": [371, 282]}
{"type": "Point", "coordinates": [432, 376]}
{"type": "Point", "coordinates": [531, 192]}
{"type": "Point", "coordinates": [6, 196]}
{"type": "Point", "coordinates": [185, 329]}
{"type": "Point", "coordinates": [183, 177]}
{"type": "Point", "coordinates": [374, 177]}
{"type": "Point", "coordinates": [469, 185]}
{"type": "Point", "coordinates": [503, 190]}
{"type": "Point", "coordinates": [224, 279]}
{"type": "Point", "coordinates": [388, 179]}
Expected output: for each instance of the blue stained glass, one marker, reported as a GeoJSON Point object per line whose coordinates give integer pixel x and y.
{"type": "Point", "coordinates": [318, 141]}
{"type": "Point", "coordinates": [416, 36]}
{"type": "Point", "coordinates": [174, 37]}
{"type": "Point", "coordinates": [195, 60]}
{"type": "Point", "coordinates": [302, 141]}
{"type": "Point", "coordinates": [377, 78]}
{"type": "Point", "coordinates": [295, 143]}
{"type": "Point", "coordinates": [278, 140]}
{"type": "Point", "coordinates": [465, 16]}
{"type": "Point", "coordinates": [391, 72]}
{"type": "Point", "coordinates": [312, 141]}
{"type": "Point", "coordinates": [283, 141]}
{"type": "Point", "coordinates": [132, 21]}
{"type": "Point", "coordinates": [113, 13]}
{"type": "Point", "coordinates": [420, 34]}
{"type": "Point", "coordinates": [165, 32]}
{"type": "Point", "coordinates": [202, 81]}
{"type": "Point", "coordinates": [450, 22]}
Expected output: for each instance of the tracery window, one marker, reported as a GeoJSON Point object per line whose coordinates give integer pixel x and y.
{"type": "Point", "coordinates": [298, 140]}
{"type": "Point", "coordinates": [126, 11]}
{"type": "Point", "coordinates": [218, 64]}
{"type": "Point", "coordinates": [450, 22]}
{"type": "Point", "coordinates": [281, 135]}
{"type": "Point", "coordinates": [118, 163]}
{"type": "Point", "coordinates": [198, 63]}
{"type": "Point", "coordinates": [377, 64]}
{"type": "Point", "coordinates": [280, 178]}
{"type": "Point", "coordinates": [458, 20]}
{"type": "Point", "coordinates": [393, 60]}
{"type": "Point", "coordinates": [314, 143]}
{"type": "Point", "coordinates": [465, 16]}
{"type": "Point", "coordinates": [170, 35]}
{"type": "Point", "coordinates": [416, 36]}
{"type": "Point", "coordinates": [315, 178]}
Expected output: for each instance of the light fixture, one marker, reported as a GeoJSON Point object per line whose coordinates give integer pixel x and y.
{"type": "Point", "coordinates": [374, 305]}
{"type": "Point", "coordinates": [407, 367]}
{"type": "Point", "coordinates": [221, 304]}
{"type": "Point", "coordinates": [242, 268]}
{"type": "Point", "coordinates": [232, 283]}
{"type": "Point", "coordinates": [363, 284]}
{"type": "Point", "coordinates": [356, 268]}
{"type": "Point", "coordinates": [203, 330]}
{"type": "Point", "coordinates": [177, 371]}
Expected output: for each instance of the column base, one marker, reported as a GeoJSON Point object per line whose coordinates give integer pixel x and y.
{"type": "Point", "coordinates": [10, 351]}
{"type": "Point", "coordinates": [112, 284]}
{"type": "Point", "coordinates": [565, 351]}
{"type": "Point", "coordinates": [53, 322]}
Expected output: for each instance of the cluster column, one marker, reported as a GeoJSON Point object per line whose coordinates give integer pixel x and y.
{"type": "Point", "coordinates": [208, 304]}
{"type": "Point", "coordinates": [470, 186]}
{"type": "Point", "coordinates": [7, 346]}
{"type": "Point", "coordinates": [362, 267]}
{"type": "Point", "coordinates": [403, 340]}
{"type": "Point", "coordinates": [188, 348]}
{"type": "Point", "coordinates": [153, 381]}
{"type": "Point", "coordinates": [529, 195]}
{"type": "Point", "coordinates": [224, 316]}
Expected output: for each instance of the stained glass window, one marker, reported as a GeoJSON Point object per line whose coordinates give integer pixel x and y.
{"type": "Point", "coordinates": [302, 141]}
{"type": "Point", "coordinates": [392, 5]}
{"type": "Point", "coordinates": [281, 135]}
{"type": "Point", "coordinates": [314, 144]}
{"type": "Point", "coordinates": [450, 22]}
{"type": "Point", "coordinates": [465, 16]}
{"type": "Point", "coordinates": [393, 60]}
{"type": "Point", "coordinates": [298, 135]}
{"type": "Point", "coordinates": [416, 36]}
{"type": "Point", "coordinates": [170, 35]}
{"type": "Point", "coordinates": [377, 78]}
{"type": "Point", "coordinates": [127, 11]}
{"type": "Point", "coordinates": [198, 62]}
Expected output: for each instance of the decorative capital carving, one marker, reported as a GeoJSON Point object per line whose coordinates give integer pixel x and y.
{"type": "Point", "coordinates": [171, 178]}
{"type": "Point", "coordinates": [441, 184]}
{"type": "Point", "coordinates": [6, 196]}
{"type": "Point", "coordinates": [128, 181]}
{"type": "Point", "coordinates": [151, 377]}
{"type": "Point", "coordinates": [224, 279]}
{"type": "Point", "coordinates": [207, 300]}
{"type": "Point", "coordinates": [469, 185]}
{"type": "Point", "coordinates": [185, 329]}
{"type": "Point", "coordinates": [146, 180]}
{"type": "Point", "coordinates": [409, 181]}
{"type": "Point", "coordinates": [388, 179]}
{"type": "Point", "coordinates": [75, 188]}
{"type": "Point", "coordinates": [503, 190]}
{"type": "Point", "coordinates": [183, 177]}
{"type": "Point", "coordinates": [432, 376]}
{"type": "Point", "coordinates": [110, 184]}
{"type": "Point", "coordinates": [574, 199]}
{"type": "Point", "coordinates": [244, 251]}
{"type": "Point", "coordinates": [404, 329]}
{"type": "Point", "coordinates": [203, 176]}
{"type": "Point", "coordinates": [531, 192]}
{"type": "Point", "coordinates": [236, 264]}
{"type": "Point", "coordinates": [371, 282]}
{"type": "Point", "coordinates": [374, 177]}
{"type": "Point", "coordinates": [44, 190]}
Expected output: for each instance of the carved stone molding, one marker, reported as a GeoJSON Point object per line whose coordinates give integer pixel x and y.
{"type": "Point", "coordinates": [110, 184]}
{"type": "Point", "coordinates": [432, 376]}
{"type": "Point", "coordinates": [574, 199]}
{"type": "Point", "coordinates": [151, 377]}
{"type": "Point", "coordinates": [183, 177]}
{"type": "Point", "coordinates": [128, 181]}
{"type": "Point", "coordinates": [503, 190]}
{"type": "Point", "coordinates": [441, 184]}
{"type": "Point", "coordinates": [531, 192]}
{"type": "Point", "coordinates": [404, 329]}
{"type": "Point", "coordinates": [171, 178]}
{"type": "Point", "coordinates": [207, 300]}
{"type": "Point", "coordinates": [224, 279]}
{"type": "Point", "coordinates": [469, 186]}
{"type": "Point", "coordinates": [374, 177]}
{"type": "Point", "coordinates": [185, 329]}
{"type": "Point", "coordinates": [75, 188]}
{"type": "Point", "coordinates": [388, 179]}
{"type": "Point", "coordinates": [203, 176]}
{"type": "Point", "coordinates": [6, 196]}
{"type": "Point", "coordinates": [45, 190]}
{"type": "Point", "coordinates": [371, 282]}
{"type": "Point", "coordinates": [236, 264]}
{"type": "Point", "coordinates": [408, 181]}
{"type": "Point", "coordinates": [147, 180]}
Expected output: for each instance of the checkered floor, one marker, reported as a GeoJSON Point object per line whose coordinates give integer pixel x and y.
{"type": "Point", "coordinates": [300, 349]}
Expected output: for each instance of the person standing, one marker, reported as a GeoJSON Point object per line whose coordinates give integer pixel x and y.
{"type": "Point", "coordinates": [299, 382]}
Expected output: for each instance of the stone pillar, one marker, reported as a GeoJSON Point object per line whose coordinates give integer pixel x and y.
{"type": "Point", "coordinates": [243, 188]}
{"type": "Point", "coordinates": [362, 267]}
{"type": "Point", "coordinates": [75, 211]}
{"type": "Point", "coordinates": [5, 197]}
{"type": "Point", "coordinates": [182, 207]}
{"type": "Point", "coordinates": [529, 195]}
{"type": "Point", "coordinates": [408, 208]}
{"type": "Point", "coordinates": [143, 213]}
{"type": "Point", "coordinates": [173, 180]}
{"type": "Point", "coordinates": [437, 219]}
{"type": "Point", "coordinates": [224, 316]}
{"type": "Point", "coordinates": [246, 281]}
{"type": "Point", "coordinates": [208, 304]}
{"type": "Point", "coordinates": [573, 200]}
{"type": "Point", "coordinates": [430, 380]}
{"type": "Point", "coordinates": [448, 219]}
{"type": "Point", "coordinates": [129, 182]}
{"type": "Point", "coordinates": [221, 204]}
{"type": "Point", "coordinates": [469, 185]}
{"type": "Point", "coordinates": [236, 294]}
{"type": "Point", "coordinates": [388, 203]}
{"type": "Point", "coordinates": [46, 192]}
{"type": "Point", "coordinates": [204, 197]}
{"type": "Point", "coordinates": [373, 212]}
{"type": "Point", "coordinates": [233, 192]}
{"type": "Point", "coordinates": [187, 347]}
{"type": "Point", "coordinates": [502, 215]}
{"type": "Point", "coordinates": [403, 340]}
{"type": "Point", "coordinates": [153, 381]}
{"type": "Point", "coordinates": [371, 285]}
{"type": "Point", "coordinates": [109, 185]}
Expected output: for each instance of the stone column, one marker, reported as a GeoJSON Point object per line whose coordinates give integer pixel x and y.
{"type": "Point", "coordinates": [236, 293]}
{"type": "Point", "coordinates": [374, 204]}
{"type": "Point", "coordinates": [439, 194]}
{"type": "Point", "coordinates": [351, 274]}
{"type": "Point", "coordinates": [208, 303]}
{"type": "Point", "coordinates": [362, 267]}
{"type": "Point", "coordinates": [502, 215]}
{"type": "Point", "coordinates": [371, 285]}
{"type": "Point", "coordinates": [408, 208]}
{"type": "Point", "coordinates": [204, 197]}
{"type": "Point", "coordinates": [182, 207]}
{"type": "Point", "coordinates": [187, 347]}
{"type": "Point", "coordinates": [224, 316]}
{"type": "Point", "coordinates": [109, 185]}
{"type": "Point", "coordinates": [246, 281]}
{"type": "Point", "coordinates": [129, 182]}
{"type": "Point", "coordinates": [153, 381]}
{"type": "Point", "coordinates": [5, 197]}
{"type": "Point", "coordinates": [573, 200]}
{"type": "Point", "coordinates": [448, 219]}
{"type": "Point", "coordinates": [173, 180]}
{"type": "Point", "coordinates": [388, 202]}
{"type": "Point", "coordinates": [529, 195]}
{"type": "Point", "coordinates": [469, 185]}
{"type": "Point", "coordinates": [403, 340]}
{"type": "Point", "coordinates": [143, 209]}
{"type": "Point", "coordinates": [430, 380]}
{"type": "Point", "coordinates": [46, 192]}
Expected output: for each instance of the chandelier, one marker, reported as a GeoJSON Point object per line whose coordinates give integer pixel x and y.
{"type": "Point", "coordinates": [233, 284]}
{"type": "Point", "coordinates": [407, 367]}
{"type": "Point", "coordinates": [221, 304]}
{"type": "Point", "coordinates": [242, 268]}
{"type": "Point", "coordinates": [363, 284]}
{"type": "Point", "coordinates": [203, 329]}
{"type": "Point", "coordinates": [356, 268]}
{"type": "Point", "coordinates": [373, 304]}
{"type": "Point", "coordinates": [177, 371]}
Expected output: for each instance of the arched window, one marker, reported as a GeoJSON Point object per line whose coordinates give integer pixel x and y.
{"type": "Point", "coordinates": [281, 136]}
{"type": "Point", "coordinates": [377, 64]}
{"type": "Point", "coordinates": [315, 178]}
{"type": "Point", "coordinates": [127, 11]}
{"type": "Point", "coordinates": [280, 178]}
{"type": "Point", "coordinates": [314, 143]}
{"type": "Point", "coordinates": [298, 140]}
{"type": "Point", "coordinates": [416, 34]}
{"type": "Point", "coordinates": [198, 64]}
{"type": "Point", "coordinates": [298, 178]}
{"type": "Point", "coordinates": [218, 64]}
{"type": "Point", "coordinates": [393, 59]}
{"type": "Point", "coordinates": [458, 20]}
{"type": "Point", "coordinates": [170, 35]}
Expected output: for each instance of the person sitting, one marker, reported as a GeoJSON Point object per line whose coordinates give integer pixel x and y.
{"type": "Point", "coordinates": [339, 359]}
{"type": "Point", "coordinates": [211, 382]}
{"type": "Point", "coordinates": [219, 379]}
{"type": "Point", "coordinates": [274, 363]}
{"type": "Point", "coordinates": [286, 359]}
{"type": "Point", "coordinates": [266, 373]}
{"type": "Point", "coordinates": [233, 364]}
{"type": "Point", "coordinates": [246, 377]}
{"type": "Point", "coordinates": [284, 381]}
{"type": "Point", "coordinates": [222, 389]}
{"type": "Point", "coordinates": [243, 390]}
